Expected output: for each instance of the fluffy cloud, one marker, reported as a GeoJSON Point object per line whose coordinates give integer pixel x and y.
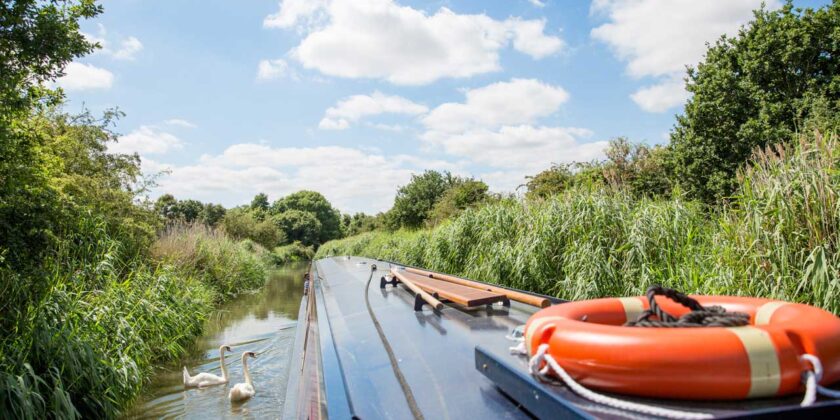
{"type": "Point", "coordinates": [146, 140]}
{"type": "Point", "coordinates": [658, 38]}
{"type": "Point", "coordinates": [494, 127]}
{"type": "Point", "coordinates": [381, 39]}
{"type": "Point", "coordinates": [79, 76]}
{"type": "Point", "coordinates": [180, 123]}
{"type": "Point", "coordinates": [525, 148]}
{"type": "Point", "coordinates": [353, 108]}
{"type": "Point", "coordinates": [272, 69]}
{"type": "Point", "coordinates": [126, 49]}
{"type": "Point", "coordinates": [661, 96]}
{"type": "Point", "coordinates": [518, 101]}
{"type": "Point", "coordinates": [352, 179]}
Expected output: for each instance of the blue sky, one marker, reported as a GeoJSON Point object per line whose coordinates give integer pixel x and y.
{"type": "Point", "coordinates": [351, 97]}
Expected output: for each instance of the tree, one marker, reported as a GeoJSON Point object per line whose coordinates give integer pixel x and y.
{"type": "Point", "coordinates": [415, 200]}
{"type": "Point", "coordinates": [551, 181]}
{"type": "Point", "coordinates": [461, 196]}
{"type": "Point", "coordinates": [641, 169]}
{"type": "Point", "coordinates": [298, 225]}
{"type": "Point", "coordinates": [37, 40]}
{"type": "Point", "coordinates": [240, 223]}
{"type": "Point", "coordinates": [312, 202]}
{"type": "Point", "coordinates": [755, 89]}
{"type": "Point", "coordinates": [260, 202]}
{"type": "Point", "coordinates": [212, 214]}
{"type": "Point", "coordinates": [358, 223]}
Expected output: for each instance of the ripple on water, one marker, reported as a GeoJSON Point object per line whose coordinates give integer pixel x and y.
{"type": "Point", "coordinates": [263, 322]}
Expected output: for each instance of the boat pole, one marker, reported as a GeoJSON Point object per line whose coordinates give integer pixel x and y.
{"type": "Point", "coordinates": [525, 298]}
{"type": "Point", "coordinates": [434, 303]}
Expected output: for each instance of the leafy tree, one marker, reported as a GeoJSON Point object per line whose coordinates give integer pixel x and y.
{"type": "Point", "coordinates": [464, 194]}
{"type": "Point", "coordinates": [298, 225]}
{"type": "Point", "coordinates": [755, 89]}
{"type": "Point", "coordinates": [359, 223]}
{"type": "Point", "coordinates": [641, 169]}
{"type": "Point", "coordinates": [165, 206]}
{"type": "Point", "coordinates": [37, 39]}
{"type": "Point", "coordinates": [415, 200]}
{"type": "Point", "coordinates": [549, 182]}
{"type": "Point", "coordinates": [240, 223]}
{"type": "Point", "coordinates": [313, 202]}
{"type": "Point", "coordinates": [212, 214]}
{"type": "Point", "coordinates": [260, 205]}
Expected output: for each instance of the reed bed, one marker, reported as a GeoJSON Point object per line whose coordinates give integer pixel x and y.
{"type": "Point", "coordinates": [86, 347]}
{"type": "Point", "coordinates": [778, 237]}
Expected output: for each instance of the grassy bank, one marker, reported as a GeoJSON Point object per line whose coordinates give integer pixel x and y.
{"type": "Point", "coordinates": [777, 238]}
{"type": "Point", "coordinates": [86, 346]}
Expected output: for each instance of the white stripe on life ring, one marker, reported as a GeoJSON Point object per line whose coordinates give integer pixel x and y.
{"type": "Point", "coordinates": [765, 373]}
{"type": "Point", "coordinates": [633, 307]}
{"type": "Point", "coordinates": [534, 326]}
{"type": "Point", "coordinates": [766, 311]}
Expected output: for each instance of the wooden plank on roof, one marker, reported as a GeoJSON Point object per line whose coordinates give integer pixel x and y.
{"type": "Point", "coordinates": [462, 295]}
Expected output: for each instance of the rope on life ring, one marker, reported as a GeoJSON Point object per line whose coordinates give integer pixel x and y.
{"type": "Point", "coordinates": [700, 316]}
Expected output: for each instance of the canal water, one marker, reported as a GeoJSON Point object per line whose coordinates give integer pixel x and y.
{"type": "Point", "coordinates": [263, 322]}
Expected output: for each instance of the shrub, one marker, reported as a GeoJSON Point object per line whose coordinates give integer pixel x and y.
{"type": "Point", "coordinates": [226, 265]}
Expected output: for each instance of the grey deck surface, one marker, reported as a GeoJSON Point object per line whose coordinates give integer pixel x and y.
{"type": "Point", "coordinates": [436, 353]}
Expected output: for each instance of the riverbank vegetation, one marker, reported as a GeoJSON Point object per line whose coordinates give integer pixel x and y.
{"type": "Point", "coordinates": [741, 201]}
{"type": "Point", "coordinates": [96, 287]}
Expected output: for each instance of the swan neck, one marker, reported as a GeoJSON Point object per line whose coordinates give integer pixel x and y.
{"type": "Point", "coordinates": [245, 370]}
{"type": "Point", "coordinates": [222, 360]}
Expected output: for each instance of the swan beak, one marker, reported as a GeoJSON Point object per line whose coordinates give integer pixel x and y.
{"type": "Point", "coordinates": [227, 348]}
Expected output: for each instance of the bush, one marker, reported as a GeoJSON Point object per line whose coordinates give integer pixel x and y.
{"type": "Point", "coordinates": [290, 253]}
{"type": "Point", "coordinates": [85, 348]}
{"type": "Point", "coordinates": [243, 224]}
{"type": "Point", "coordinates": [208, 254]}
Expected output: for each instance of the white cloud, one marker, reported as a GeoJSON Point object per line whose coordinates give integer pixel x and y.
{"type": "Point", "coordinates": [381, 39]}
{"type": "Point", "coordinates": [537, 3]}
{"type": "Point", "coordinates": [79, 76]}
{"type": "Point", "coordinates": [127, 48]}
{"type": "Point", "coordinates": [180, 123]}
{"type": "Point", "coordinates": [272, 69]}
{"type": "Point", "coordinates": [658, 38]}
{"type": "Point", "coordinates": [356, 107]}
{"type": "Point", "coordinates": [146, 140]}
{"type": "Point", "coordinates": [523, 148]}
{"type": "Point", "coordinates": [661, 96]}
{"type": "Point", "coordinates": [494, 127]}
{"type": "Point", "coordinates": [352, 179]}
{"type": "Point", "coordinates": [518, 101]}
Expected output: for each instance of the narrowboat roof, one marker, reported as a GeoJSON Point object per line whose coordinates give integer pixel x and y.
{"type": "Point", "coordinates": [456, 361]}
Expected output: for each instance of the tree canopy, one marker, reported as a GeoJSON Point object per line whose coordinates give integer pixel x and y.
{"type": "Point", "coordinates": [329, 219]}
{"type": "Point", "coordinates": [755, 89]}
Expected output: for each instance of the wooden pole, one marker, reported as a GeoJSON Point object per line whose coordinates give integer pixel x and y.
{"type": "Point", "coordinates": [434, 303]}
{"type": "Point", "coordinates": [525, 298]}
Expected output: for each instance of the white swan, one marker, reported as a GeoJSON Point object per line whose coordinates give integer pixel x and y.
{"type": "Point", "coordinates": [243, 391]}
{"type": "Point", "coordinates": [208, 379]}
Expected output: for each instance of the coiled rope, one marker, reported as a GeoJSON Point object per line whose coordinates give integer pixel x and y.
{"type": "Point", "coordinates": [700, 316]}
{"type": "Point", "coordinates": [409, 396]}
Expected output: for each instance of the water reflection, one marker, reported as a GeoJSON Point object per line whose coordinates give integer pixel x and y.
{"type": "Point", "coordinates": [263, 322]}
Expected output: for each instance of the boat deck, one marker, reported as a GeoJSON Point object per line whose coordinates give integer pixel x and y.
{"type": "Point", "coordinates": [447, 357]}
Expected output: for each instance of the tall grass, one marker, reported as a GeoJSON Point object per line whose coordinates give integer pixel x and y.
{"type": "Point", "coordinates": [85, 348]}
{"type": "Point", "coordinates": [777, 238]}
{"type": "Point", "coordinates": [227, 265]}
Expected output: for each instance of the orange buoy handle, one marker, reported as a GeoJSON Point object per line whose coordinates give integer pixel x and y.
{"type": "Point", "coordinates": [761, 359]}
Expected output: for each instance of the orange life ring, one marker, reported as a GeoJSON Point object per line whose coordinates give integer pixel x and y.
{"type": "Point", "coordinates": [758, 360]}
